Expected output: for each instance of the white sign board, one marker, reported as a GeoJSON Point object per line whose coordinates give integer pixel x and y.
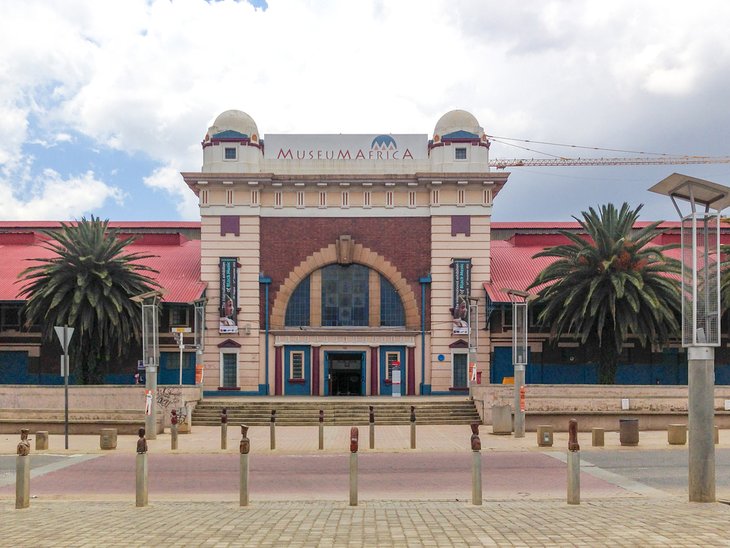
{"type": "Point", "coordinates": [395, 380]}
{"type": "Point", "coordinates": [328, 147]}
{"type": "Point", "coordinates": [64, 334]}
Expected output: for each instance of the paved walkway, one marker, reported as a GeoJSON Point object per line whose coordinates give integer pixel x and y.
{"type": "Point", "coordinates": [634, 518]}
{"type": "Point", "coordinates": [386, 523]}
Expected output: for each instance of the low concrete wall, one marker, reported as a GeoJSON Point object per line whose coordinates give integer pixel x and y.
{"type": "Point", "coordinates": [97, 398]}
{"type": "Point", "coordinates": [597, 405]}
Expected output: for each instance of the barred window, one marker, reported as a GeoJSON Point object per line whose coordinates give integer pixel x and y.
{"type": "Point", "coordinates": [297, 311]}
{"type": "Point", "coordinates": [391, 307]}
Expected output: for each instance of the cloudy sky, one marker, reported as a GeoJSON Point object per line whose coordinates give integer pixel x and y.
{"type": "Point", "coordinates": [102, 104]}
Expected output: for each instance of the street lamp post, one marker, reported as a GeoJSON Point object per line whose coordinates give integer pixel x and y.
{"type": "Point", "coordinates": [519, 301]}
{"type": "Point", "coordinates": [150, 356]}
{"type": "Point", "coordinates": [700, 235]}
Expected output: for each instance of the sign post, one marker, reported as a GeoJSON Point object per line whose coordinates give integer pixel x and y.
{"type": "Point", "coordinates": [64, 334]}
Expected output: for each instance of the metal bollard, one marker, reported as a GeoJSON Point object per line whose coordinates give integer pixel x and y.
{"type": "Point", "coordinates": [573, 463]}
{"type": "Point", "coordinates": [476, 467]}
{"type": "Point", "coordinates": [141, 470]}
{"type": "Point", "coordinates": [244, 448]}
{"type": "Point", "coordinates": [372, 427]}
{"type": "Point", "coordinates": [413, 427]}
{"type": "Point", "coordinates": [22, 471]}
{"type": "Point", "coordinates": [173, 430]}
{"type": "Point", "coordinates": [321, 429]}
{"type": "Point", "coordinates": [354, 434]}
{"type": "Point", "coordinates": [272, 435]}
{"type": "Point", "coordinates": [224, 429]}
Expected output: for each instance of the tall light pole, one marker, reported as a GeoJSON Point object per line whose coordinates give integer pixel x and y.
{"type": "Point", "coordinates": [700, 296]}
{"type": "Point", "coordinates": [519, 301]}
{"type": "Point", "coordinates": [150, 356]}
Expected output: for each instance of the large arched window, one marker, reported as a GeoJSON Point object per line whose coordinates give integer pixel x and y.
{"type": "Point", "coordinates": [345, 299]}
{"type": "Point", "coordinates": [345, 295]}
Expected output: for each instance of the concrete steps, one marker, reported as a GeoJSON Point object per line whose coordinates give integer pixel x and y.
{"type": "Point", "coordinates": [340, 412]}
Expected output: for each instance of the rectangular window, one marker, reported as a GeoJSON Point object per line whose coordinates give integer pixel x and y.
{"type": "Point", "coordinates": [179, 316]}
{"type": "Point", "coordinates": [296, 359]}
{"type": "Point", "coordinates": [507, 317]}
{"type": "Point", "coordinates": [412, 198]}
{"type": "Point", "coordinates": [229, 198]}
{"type": "Point", "coordinates": [10, 317]}
{"type": "Point", "coordinates": [203, 196]}
{"type": "Point", "coordinates": [229, 369]}
{"type": "Point", "coordinates": [345, 198]}
{"type": "Point", "coordinates": [277, 198]}
{"type": "Point", "coordinates": [366, 197]}
{"type": "Point", "coordinates": [487, 196]}
{"type": "Point", "coordinates": [300, 198]}
{"type": "Point", "coordinates": [230, 153]}
{"type": "Point", "coordinates": [435, 197]}
{"type": "Point", "coordinates": [460, 153]}
{"type": "Point", "coordinates": [389, 198]}
{"type": "Point", "coordinates": [461, 197]}
{"type": "Point", "coordinates": [391, 358]}
{"type": "Point", "coordinates": [460, 362]}
{"type": "Point", "coordinates": [322, 198]}
{"type": "Point", "coordinates": [254, 197]}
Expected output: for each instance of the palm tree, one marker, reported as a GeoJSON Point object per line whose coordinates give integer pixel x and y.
{"type": "Point", "coordinates": [87, 285]}
{"type": "Point", "coordinates": [609, 285]}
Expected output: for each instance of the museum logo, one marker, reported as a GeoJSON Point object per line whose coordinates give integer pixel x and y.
{"type": "Point", "coordinates": [382, 147]}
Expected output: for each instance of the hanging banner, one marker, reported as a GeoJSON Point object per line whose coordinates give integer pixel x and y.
{"type": "Point", "coordinates": [461, 292]}
{"type": "Point", "coordinates": [229, 295]}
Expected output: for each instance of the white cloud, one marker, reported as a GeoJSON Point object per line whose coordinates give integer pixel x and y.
{"type": "Point", "coordinates": [52, 197]}
{"type": "Point", "coordinates": [169, 180]}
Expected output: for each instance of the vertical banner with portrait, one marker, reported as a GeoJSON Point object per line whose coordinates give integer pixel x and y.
{"type": "Point", "coordinates": [461, 293]}
{"type": "Point", "coordinates": [229, 295]}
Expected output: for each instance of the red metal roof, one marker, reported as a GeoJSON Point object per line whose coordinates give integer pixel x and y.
{"type": "Point", "coordinates": [26, 225]}
{"type": "Point", "coordinates": [177, 260]}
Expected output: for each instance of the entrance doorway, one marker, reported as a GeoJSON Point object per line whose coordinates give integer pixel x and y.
{"type": "Point", "coordinates": [346, 373]}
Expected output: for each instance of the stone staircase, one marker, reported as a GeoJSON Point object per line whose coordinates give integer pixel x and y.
{"type": "Point", "coordinates": [341, 412]}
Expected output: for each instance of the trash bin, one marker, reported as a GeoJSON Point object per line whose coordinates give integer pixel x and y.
{"type": "Point", "coordinates": [629, 431]}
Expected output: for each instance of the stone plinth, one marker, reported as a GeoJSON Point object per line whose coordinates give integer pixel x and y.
{"type": "Point", "coordinates": [629, 432]}
{"type": "Point", "coordinates": [41, 440]}
{"type": "Point", "coordinates": [598, 437]}
{"type": "Point", "coordinates": [677, 434]}
{"type": "Point", "coordinates": [501, 419]}
{"type": "Point", "coordinates": [545, 435]}
{"type": "Point", "coordinates": [108, 438]}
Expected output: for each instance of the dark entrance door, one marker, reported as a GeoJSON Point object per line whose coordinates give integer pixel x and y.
{"type": "Point", "coordinates": [345, 374]}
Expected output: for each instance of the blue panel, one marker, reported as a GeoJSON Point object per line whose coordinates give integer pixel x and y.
{"type": "Point", "coordinates": [386, 389]}
{"type": "Point", "coordinates": [391, 307]}
{"type": "Point", "coordinates": [14, 368]}
{"type": "Point", "coordinates": [722, 373]}
{"type": "Point", "coordinates": [297, 310]}
{"type": "Point", "coordinates": [169, 370]}
{"type": "Point", "coordinates": [297, 388]}
{"type": "Point", "coordinates": [501, 364]}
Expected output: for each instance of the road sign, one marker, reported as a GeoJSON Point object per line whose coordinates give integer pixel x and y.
{"type": "Point", "coordinates": [64, 334]}
{"type": "Point", "coordinates": [180, 330]}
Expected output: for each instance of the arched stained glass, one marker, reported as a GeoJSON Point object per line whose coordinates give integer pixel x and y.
{"type": "Point", "coordinates": [297, 311]}
{"type": "Point", "coordinates": [391, 307]}
{"type": "Point", "coordinates": [345, 295]}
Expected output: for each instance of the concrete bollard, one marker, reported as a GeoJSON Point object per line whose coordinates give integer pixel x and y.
{"type": "Point", "coordinates": [108, 438]}
{"type": "Point", "coordinates": [354, 434]}
{"type": "Point", "coordinates": [372, 427]}
{"type": "Point", "coordinates": [501, 419]}
{"type": "Point", "coordinates": [677, 434]}
{"type": "Point", "coordinates": [413, 427]}
{"type": "Point", "coordinates": [598, 437]}
{"type": "Point", "coordinates": [22, 471]}
{"type": "Point", "coordinates": [272, 430]}
{"type": "Point", "coordinates": [321, 429]}
{"type": "Point", "coordinates": [629, 432]}
{"type": "Point", "coordinates": [545, 435]}
{"type": "Point", "coordinates": [141, 475]}
{"type": "Point", "coordinates": [224, 429]}
{"type": "Point", "coordinates": [244, 448]}
{"type": "Point", "coordinates": [573, 463]}
{"type": "Point", "coordinates": [173, 430]}
{"type": "Point", "coordinates": [476, 465]}
{"type": "Point", "coordinates": [41, 440]}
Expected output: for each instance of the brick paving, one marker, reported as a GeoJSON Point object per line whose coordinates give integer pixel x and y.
{"type": "Point", "coordinates": [622, 522]}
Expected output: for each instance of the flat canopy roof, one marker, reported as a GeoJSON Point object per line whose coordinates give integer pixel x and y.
{"type": "Point", "coordinates": [685, 187]}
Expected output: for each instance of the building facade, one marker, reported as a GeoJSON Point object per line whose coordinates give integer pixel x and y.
{"type": "Point", "coordinates": [341, 264]}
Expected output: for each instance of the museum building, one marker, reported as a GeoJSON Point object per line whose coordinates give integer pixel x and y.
{"type": "Point", "coordinates": [345, 264]}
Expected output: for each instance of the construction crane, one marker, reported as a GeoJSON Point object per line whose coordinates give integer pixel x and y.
{"type": "Point", "coordinates": [504, 163]}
